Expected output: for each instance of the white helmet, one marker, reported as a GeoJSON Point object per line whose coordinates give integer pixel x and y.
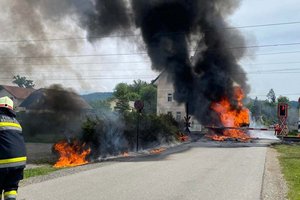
{"type": "Point", "coordinates": [6, 102]}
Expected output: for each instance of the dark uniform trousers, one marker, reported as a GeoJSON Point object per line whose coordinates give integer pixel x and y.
{"type": "Point", "coordinates": [12, 156]}
{"type": "Point", "coordinates": [9, 181]}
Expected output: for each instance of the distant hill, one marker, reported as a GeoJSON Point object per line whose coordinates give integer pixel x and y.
{"type": "Point", "coordinates": [97, 96]}
{"type": "Point", "coordinates": [294, 104]}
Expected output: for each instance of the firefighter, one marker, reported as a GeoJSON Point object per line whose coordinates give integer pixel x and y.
{"type": "Point", "coordinates": [12, 150]}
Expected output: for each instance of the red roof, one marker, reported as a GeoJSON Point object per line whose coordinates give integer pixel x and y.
{"type": "Point", "coordinates": [17, 92]}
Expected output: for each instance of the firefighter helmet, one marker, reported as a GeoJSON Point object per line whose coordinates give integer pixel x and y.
{"type": "Point", "coordinates": [6, 102]}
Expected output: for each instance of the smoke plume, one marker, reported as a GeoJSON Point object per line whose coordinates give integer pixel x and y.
{"type": "Point", "coordinates": [189, 40]}
{"type": "Point", "coordinates": [54, 110]}
{"type": "Point", "coordinates": [167, 27]}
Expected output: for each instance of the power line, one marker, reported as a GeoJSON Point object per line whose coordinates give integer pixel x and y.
{"type": "Point", "coordinates": [277, 53]}
{"type": "Point", "coordinates": [267, 45]}
{"type": "Point", "coordinates": [127, 62]}
{"type": "Point", "coordinates": [75, 56]}
{"type": "Point", "coordinates": [145, 53]}
{"type": "Point", "coordinates": [143, 69]}
{"type": "Point", "coordinates": [271, 63]}
{"type": "Point", "coordinates": [139, 35]}
{"type": "Point", "coordinates": [74, 64]}
{"type": "Point", "coordinates": [291, 94]}
{"type": "Point", "coordinates": [144, 76]}
{"type": "Point", "coordinates": [89, 78]}
{"type": "Point", "coordinates": [265, 25]}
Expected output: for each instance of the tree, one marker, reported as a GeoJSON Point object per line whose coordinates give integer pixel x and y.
{"type": "Point", "coordinates": [122, 95]}
{"type": "Point", "coordinates": [23, 82]}
{"type": "Point", "coordinates": [256, 110]}
{"type": "Point", "coordinates": [271, 96]}
{"type": "Point", "coordinates": [139, 90]}
{"type": "Point", "coordinates": [101, 105]}
{"type": "Point", "coordinates": [283, 99]}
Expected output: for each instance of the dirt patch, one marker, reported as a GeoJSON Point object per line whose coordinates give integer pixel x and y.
{"type": "Point", "coordinates": [274, 184]}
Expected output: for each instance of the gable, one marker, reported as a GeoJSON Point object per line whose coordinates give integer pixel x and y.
{"type": "Point", "coordinates": [17, 92]}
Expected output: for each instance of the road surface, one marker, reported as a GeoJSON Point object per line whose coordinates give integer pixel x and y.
{"type": "Point", "coordinates": [191, 172]}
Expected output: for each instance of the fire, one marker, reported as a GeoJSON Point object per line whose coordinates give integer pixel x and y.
{"type": "Point", "coordinates": [125, 154]}
{"type": "Point", "coordinates": [233, 118]}
{"type": "Point", "coordinates": [157, 151]}
{"type": "Point", "coordinates": [182, 137]}
{"type": "Point", "coordinates": [71, 154]}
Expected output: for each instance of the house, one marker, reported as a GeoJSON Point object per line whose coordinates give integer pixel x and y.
{"type": "Point", "coordinates": [167, 105]}
{"type": "Point", "coordinates": [17, 94]}
{"type": "Point", "coordinates": [54, 100]}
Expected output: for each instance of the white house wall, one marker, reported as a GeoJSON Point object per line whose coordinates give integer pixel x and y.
{"type": "Point", "coordinates": [164, 87]}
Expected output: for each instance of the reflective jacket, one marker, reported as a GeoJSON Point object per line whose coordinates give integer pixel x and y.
{"type": "Point", "coordinates": [12, 145]}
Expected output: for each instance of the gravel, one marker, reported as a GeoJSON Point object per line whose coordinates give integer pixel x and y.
{"type": "Point", "coordinates": [274, 184]}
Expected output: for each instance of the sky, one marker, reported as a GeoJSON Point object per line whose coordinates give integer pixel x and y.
{"type": "Point", "coordinates": [269, 67]}
{"type": "Point", "coordinates": [103, 64]}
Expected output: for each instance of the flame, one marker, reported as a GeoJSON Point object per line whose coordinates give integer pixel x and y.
{"type": "Point", "coordinates": [71, 154]}
{"type": "Point", "coordinates": [157, 151]}
{"type": "Point", "coordinates": [232, 117]}
{"type": "Point", "coordinates": [183, 138]}
{"type": "Point", "coordinates": [125, 154]}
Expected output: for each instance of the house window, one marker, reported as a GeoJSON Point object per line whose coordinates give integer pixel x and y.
{"type": "Point", "coordinates": [178, 116]}
{"type": "Point", "coordinates": [170, 97]}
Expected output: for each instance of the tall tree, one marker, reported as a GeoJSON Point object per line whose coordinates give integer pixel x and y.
{"type": "Point", "coordinates": [271, 96]}
{"type": "Point", "coordinates": [256, 110]}
{"type": "Point", "coordinates": [23, 82]}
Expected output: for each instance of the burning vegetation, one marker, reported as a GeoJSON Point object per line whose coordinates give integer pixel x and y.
{"type": "Point", "coordinates": [71, 154]}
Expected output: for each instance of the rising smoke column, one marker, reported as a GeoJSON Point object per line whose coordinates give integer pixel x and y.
{"type": "Point", "coordinates": [166, 28]}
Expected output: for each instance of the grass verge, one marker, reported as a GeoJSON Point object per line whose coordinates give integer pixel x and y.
{"type": "Point", "coordinates": [290, 162]}
{"type": "Point", "coordinates": [39, 171]}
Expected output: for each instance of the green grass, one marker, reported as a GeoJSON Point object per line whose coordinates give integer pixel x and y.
{"type": "Point", "coordinates": [39, 171]}
{"type": "Point", "coordinates": [290, 161]}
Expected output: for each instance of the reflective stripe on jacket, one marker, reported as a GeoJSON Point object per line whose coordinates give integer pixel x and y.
{"type": "Point", "coordinates": [12, 145]}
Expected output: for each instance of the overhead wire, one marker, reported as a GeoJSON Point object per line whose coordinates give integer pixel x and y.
{"type": "Point", "coordinates": [139, 35]}
{"type": "Point", "coordinates": [145, 53]}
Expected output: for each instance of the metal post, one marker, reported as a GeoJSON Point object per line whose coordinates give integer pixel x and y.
{"type": "Point", "coordinates": [137, 131]}
{"type": "Point", "coordinates": [187, 118]}
{"type": "Point", "coordinates": [138, 105]}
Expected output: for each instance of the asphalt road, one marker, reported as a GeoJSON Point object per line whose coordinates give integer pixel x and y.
{"type": "Point", "coordinates": [191, 172]}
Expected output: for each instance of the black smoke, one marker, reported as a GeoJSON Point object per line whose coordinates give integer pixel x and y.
{"type": "Point", "coordinates": [189, 40]}
{"type": "Point", "coordinates": [56, 110]}
{"type": "Point", "coordinates": [167, 27]}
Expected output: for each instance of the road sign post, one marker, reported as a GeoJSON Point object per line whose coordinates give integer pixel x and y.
{"type": "Point", "coordinates": [138, 105]}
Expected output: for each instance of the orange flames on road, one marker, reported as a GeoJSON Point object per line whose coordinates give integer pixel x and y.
{"type": "Point", "coordinates": [125, 154]}
{"type": "Point", "coordinates": [232, 117]}
{"type": "Point", "coordinates": [71, 154]}
{"type": "Point", "coordinates": [157, 151]}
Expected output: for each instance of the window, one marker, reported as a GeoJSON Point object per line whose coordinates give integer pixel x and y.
{"type": "Point", "coordinates": [170, 113]}
{"type": "Point", "coordinates": [178, 116]}
{"type": "Point", "coordinates": [170, 97]}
